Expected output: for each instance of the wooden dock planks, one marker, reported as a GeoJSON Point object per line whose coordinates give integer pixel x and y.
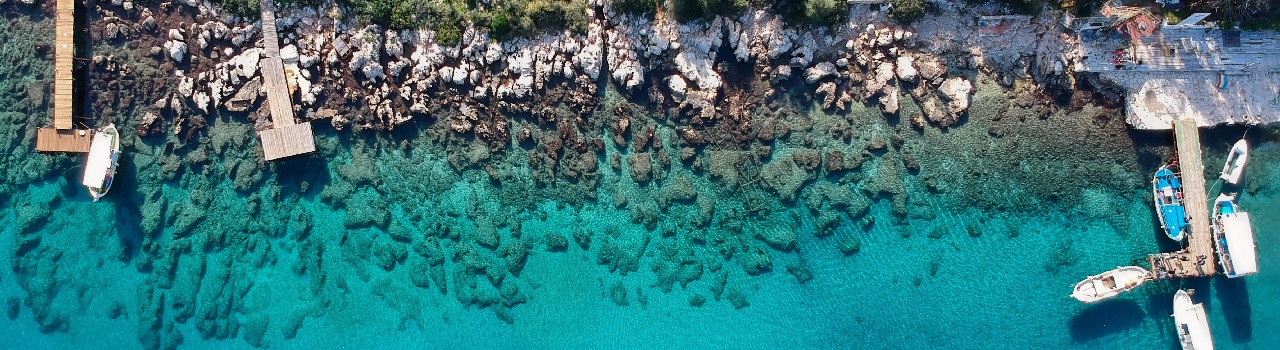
{"type": "Point", "coordinates": [1196, 201]}
{"type": "Point", "coordinates": [286, 138]}
{"type": "Point", "coordinates": [1198, 259]}
{"type": "Point", "coordinates": [287, 141]}
{"type": "Point", "coordinates": [278, 98]}
{"type": "Point", "coordinates": [63, 140]}
{"type": "Point", "coordinates": [64, 56]}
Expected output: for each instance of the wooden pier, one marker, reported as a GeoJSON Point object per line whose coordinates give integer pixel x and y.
{"type": "Point", "coordinates": [61, 138]}
{"type": "Point", "coordinates": [286, 138]}
{"type": "Point", "coordinates": [55, 140]}
{"type": "Point", "coordinates": [64, 54]}
{"type": "Point", "coordinates": [1197, 259]}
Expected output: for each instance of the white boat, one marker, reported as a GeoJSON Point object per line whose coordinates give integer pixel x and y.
{"type": "Point", "coordinates": [1193, 326]}
{"type": "Point", "coordinates": [1109, 284]}
{"type": "Point", "coordinates": [1233, 234]}
{"type": "Point", "coordinates": [100, 166]}
{"type": "Point", "coordinates": [1234, 168]}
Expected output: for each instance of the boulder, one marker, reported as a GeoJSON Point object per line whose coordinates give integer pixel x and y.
{"type": "Point", "coordinates": [289, 54]}
{"type": "Point", "coordinates": [677, 85]}
{"type": "Point", "coordinates": [957, 90]}
{"type": "Point", "coordinates": [177, 50]}
{"type": "Point", "coordinates": [906, 69]}
{"type": "Point", "coordinates": [819, 72]}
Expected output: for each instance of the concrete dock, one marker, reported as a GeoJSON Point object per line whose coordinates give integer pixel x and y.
{"type": "Point", "coordinates": [1197, 259]}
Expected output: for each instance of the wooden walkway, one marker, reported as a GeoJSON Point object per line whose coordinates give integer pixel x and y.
{"type": "Point", "coordinates": [286, 138]}
{"type": "Point", "coordinates": [62, 140]}
{"type": "Point", "coordinates": [1197, 259]}
{"type": "Point", "coordinates": [63, 56]}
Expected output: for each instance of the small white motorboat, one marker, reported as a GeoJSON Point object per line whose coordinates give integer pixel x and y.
{"type": "Point", "coordinates": [1234, 168]}
{"type": "Point", "coordinates": [1193, 326]}
{"type": "Point", "coordinates": [1233, 234]}
{"type": "Point", "coordinates": [1109, 284]}
{"type": "Point", "coordinates": [100, 166]}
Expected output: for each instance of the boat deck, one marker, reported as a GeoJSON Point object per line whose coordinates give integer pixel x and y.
{"type": "Point", "coordinates": [1197, 259]}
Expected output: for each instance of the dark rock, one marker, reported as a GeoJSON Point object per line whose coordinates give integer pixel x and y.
{"type": "Point", "coordinates": [641, 167]}
{"type": "Point", "coordinates": [807, 159]}
{"type": "Point", "coordinates": [835, 162]}
{"type": "Point", "coordinates": [801, 272]}
{"type": "Point", "coordinates": [11, 307]}
{"type": "Point", "coordinates": [850, 245]}
{"type": "Point", "coordinates": [736, 297]}
{"type": "Point", "coordinates": [556, 242]}
{"type": "Point", "coordinates": [697, 300]}
{"type": "Point", "coordinates": [618, 293]}
{"type": "Point", "coordinates": [583, 238]}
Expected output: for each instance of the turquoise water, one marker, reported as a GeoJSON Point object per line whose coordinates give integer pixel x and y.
{"type": "Point", "coordinates": [969, 237]}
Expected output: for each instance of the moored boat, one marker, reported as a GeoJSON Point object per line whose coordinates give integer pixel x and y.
{"type": "Point", "coordinates": [1193, 326]}
{"type": "Point", "coordinates": [1167, 190]}
{"type": "Point", "coordinates": [1233, 234]}
{"type": "Point", "coordinates": [1236, 159]}
{"type": "Point", "coordinates": [100, 165]}
{"type": "Point", "coordinates": [1109, 284]}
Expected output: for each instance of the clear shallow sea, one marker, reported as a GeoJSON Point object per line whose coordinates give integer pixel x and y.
{"type": "Point", "coordinates": [201, 245]}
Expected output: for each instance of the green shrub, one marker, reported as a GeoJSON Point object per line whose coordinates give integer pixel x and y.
{"type": "Point", "coordinates": [907, 11]}
{"type": "Point", "coordinates": [686, 11]}
{"type": "Point", "coordinates": [242, 8]}
{"type": "Point", "coordinates": [813, 12]}
{"type": "Point", "coordinates": [645, 8]}
{"type": "Point", "coordinates": [519, 18]}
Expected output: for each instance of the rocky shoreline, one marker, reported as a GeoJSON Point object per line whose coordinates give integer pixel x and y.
{"type": "Point", "coordinates": [703, 154]}
{"type": "Point", "coordinates": [705, 75]}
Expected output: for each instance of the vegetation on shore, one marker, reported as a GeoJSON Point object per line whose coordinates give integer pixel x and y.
{"type": "Point", "coordinates": [507, 19]}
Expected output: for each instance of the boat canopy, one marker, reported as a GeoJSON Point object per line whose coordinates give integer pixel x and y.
{"type": "Point", "coordinates": [1237, 236]}
{"type": "Point", "coordinates": [98, 166]}
{"type": "Point", "coordinates": [1193, 325]}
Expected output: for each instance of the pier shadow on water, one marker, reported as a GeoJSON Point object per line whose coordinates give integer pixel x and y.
{"type": "Point", "coordinates": [1105, 318]}
{"type": "Point", "coordinates": [127, 200]}
{"type": "Point", "coordinates": [1233, 299]}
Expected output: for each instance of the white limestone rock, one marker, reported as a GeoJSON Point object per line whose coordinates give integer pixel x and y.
{"type": "Point", "coordinates": [819, 72]}
{"type": "Point", "coordinates": [177, 50]}
{"type": "Point", "coordinates": [906, 69]}
{"type": "Point", "coordinates": [957, 90]}
{"type": "Point", "coordinates": [678, 86]}
{"type": "Point", "coordinates": [245, 65]}
{"type": "Point", "coordinates": [201, 100]}
{"type": "Point", "coordinates": [393, 48]}
{"type": "Point", "coordinates": [289, 54]}
{"type": "Point", "coordinates": [186, 87]}
{"type": "Point", "coordinates": [524, 85]}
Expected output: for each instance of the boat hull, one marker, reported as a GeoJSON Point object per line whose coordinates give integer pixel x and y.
{"type": "Point", "coordinates": [1166, 190]}
{"type": "Point", "coordinates": [101, 162]}
{"type": "Point", "coordinates": [1234, 238]}
{"type": "Point", "coordinates": [1109, 284]}
{"type": "Point", "coordinates": [1192, 324]}
{"type": "Point", "coordinates": [1233, 170]}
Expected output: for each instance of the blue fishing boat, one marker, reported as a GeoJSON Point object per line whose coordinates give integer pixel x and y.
{"type": "Point", "coordinates": [1168, 195]}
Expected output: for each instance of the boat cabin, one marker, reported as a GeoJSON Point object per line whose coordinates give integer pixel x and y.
{"type": "Point", "coordinates": [1236, 248]}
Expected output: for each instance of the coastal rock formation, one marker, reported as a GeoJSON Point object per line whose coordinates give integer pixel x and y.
{"type": "Point", "coordinates": [729, 164]}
